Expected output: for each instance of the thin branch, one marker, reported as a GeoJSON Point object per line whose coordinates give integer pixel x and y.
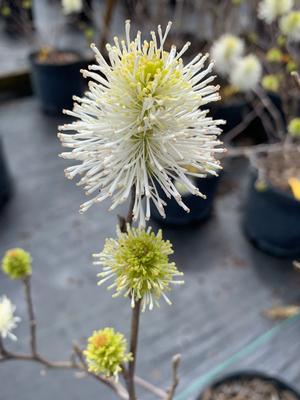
{"type": "Point", "coordinates": [10, 356]}
{"type": "Point", "coordinates": [296, 77]}
{"type": "Point", "coordinates": [109, 10]}
{"type": "Point", "coordinates": [273, 112]}
{"type": "Point", "coordinates": [32, 321]}
{"type": "Point", "coordinates": [239, 128]}
{"type": "Point", "coordinates": [133, 348]}
{"type": "Point", "coordinates": [175, 378]}
{"type": "Point", "coordinates": [247, 151]}
{"type": "Point", "coordinates": [160, 393]}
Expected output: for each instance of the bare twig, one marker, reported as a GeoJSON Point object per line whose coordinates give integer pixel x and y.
{"type": "Point", "coordinates": [10, 356]}
{"type": "Point", "coordinates": [133, 348]}
{"type": "Point", "coordinates": [175, 378]}
{"type": "Point", "coordinates": [280, 128]}
{"type": "Point", "coordinates": [160, 393]}
{"type": "Point", "coordinates": [110, 7]}
{"type": "Point", "coordinates": [247, 151]}
{"type": "Point", "coordinates": [32, 321]}
{"type": "Point", "coordinates": [295, 75]}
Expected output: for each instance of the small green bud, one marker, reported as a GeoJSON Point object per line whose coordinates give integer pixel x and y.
{"type": "Point", "coordinates": [106, 352]}
{"type": "Point", "coordinates": [291, 66]}
{"type": "Point", "coordinates": [26, 4]}
{"type": "Point", "coordinates": [260, 186]}
{"type": "Point", "coordinates": [270, 83]}
{"type": "Point", "coordinates": [274, 55]}
{"type": "Point", "coordinates": [5, 11]}
{"type": "Point", "coordinates": [294, 128]}
{"type": "Point", "coordinates": [16, 263]}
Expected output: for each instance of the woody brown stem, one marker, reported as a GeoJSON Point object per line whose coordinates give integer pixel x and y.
{"type": "Point", "coordinates": [32, 321]}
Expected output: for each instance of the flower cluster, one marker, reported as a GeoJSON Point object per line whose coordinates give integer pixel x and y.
{"type": "Point", "coordinates": [271, 82]}
{"type": "Point", "coordinates": [226, 51]}
{"type": "Point", "coordinates": [243, 72]}
{"type": "Point", "coordinates": [294, 127]}
{"type": "Point", "coordinates": [71, 6]}
{"type": "Point", "coordinates": [246, 73]}
{"type": "Point", "coordinates": [138, 261]}
{"type": "Point", "coordinates": [141, 123]}
{"type": "Point", "coordinates": [106, 352]}
{"type": "Point", "coordinates": [8, 321]}
{"type": "Point", "coordinates": [290, 26]}
{"type": "Point", "coordinates": [16, 263]}
{"type": "Point", "coordinates": [270, 10]}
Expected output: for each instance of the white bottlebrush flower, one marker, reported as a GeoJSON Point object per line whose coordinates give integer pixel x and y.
{"type": "Point", "coordinates": [246, 73]}
{"type": "Point", "coordinates": [71, 6]}
{"type": "Point", "coordinates": [140, 124]}
{"type": "Point", "coordinates": [269, 10]}
{"type": "Point", "coordinates": [226, 51]}
{"type": "Point", "coordinates": [8, 321]}
{"type": "Point", "coordinates": [290, 26]}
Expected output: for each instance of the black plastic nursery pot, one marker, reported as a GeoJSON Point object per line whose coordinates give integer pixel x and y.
{"type": "Point", "coordinates": [232, 112]}
{"type": "Point", "coordinates": [239, 376]}
{"type": "Point", "coordinates": [200, 208]}
{"type": "Point", "coordinates": [5, 179]}
{"type": "Point", "coordinates": [55, 84]}
{"type": "Point", "coordinates": [272, 220]}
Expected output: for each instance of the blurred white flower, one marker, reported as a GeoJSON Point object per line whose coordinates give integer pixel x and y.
{"type": "Point", "coordinates": [226, 51]}
{"type": "Point", "coordinates": [71, 6]}
{"type": "Point", "coordinates": [246, 73]}
{"type": "Point", "coordinates": [269, 10]}
{"type": "Point", "coordinates": [290, 26]}
{"type": "Point", "coordinates": [141, 124]}
{"type": "Point", "coordinates": [8, 321]}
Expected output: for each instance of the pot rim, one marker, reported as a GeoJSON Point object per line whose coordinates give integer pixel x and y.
{"type": "Point", "coordinates": [272, 190]}
{"type": "Point", "coordinates": [251, 374]}
{"type": "Point", "coordinates": [81, 58]}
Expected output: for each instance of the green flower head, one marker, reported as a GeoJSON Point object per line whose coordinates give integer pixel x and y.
{"type": "Point", "coordinates": [16, 263]}
{"type": "Point", "coordinates": [271, 82]}
{"type": "Point", "coordinates": [294, 127]}
{"type": "Point", "coordinates": [274, 55]}
{"type": "Point", "coordinates": [138, 261]}
{"type": "Point", "coordinates": [106, 352]}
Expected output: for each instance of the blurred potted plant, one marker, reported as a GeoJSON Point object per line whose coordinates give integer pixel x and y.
{"type": "Point", "coordinates": [247, 385]}
{"type": "Point", "coordinates": [55, 72]}
{"type": "Point", "coordinates": [17, 16]}
{"type": "Point", "coordinates": [272, 218]}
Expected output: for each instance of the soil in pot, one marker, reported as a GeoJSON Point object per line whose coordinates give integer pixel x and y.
{"type": "Point", "coordinates": [249, 387]}
{"type": "Point", "coordinates": [56, 78]}
{"type": "Point", "coordinates": [200, 209]}
{"type": "Point", "coordinates": [272, 214]}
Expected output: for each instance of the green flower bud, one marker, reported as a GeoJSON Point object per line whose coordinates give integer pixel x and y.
{"type": "Point", "coordinates": [274, 55]}
{"type": "Point", "coordinates": [294, 127]}
{"type": "Point", "coordinates": [270, 83]}
{"type": "Point", "coordinates": [138, 263]}
{"type": "Point", "coordinates": [260, 186]}
{"type": "Point", "coordinates": [106, 352]}
{"type": "Point", "coordinates": [16, 263]}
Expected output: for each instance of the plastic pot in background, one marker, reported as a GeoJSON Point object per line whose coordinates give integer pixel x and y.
{"type": "Point", "coordinates": [272, 220]}
{"type": "Point", "coordinates": [55, 84]}
{"type": "Point", "coordinates": [244, 375]}
{"type": "Point", "coordinates": [5, 179]}
{"type": "Point", "coordinates": [256, 129]}
{"type": "Point", "coordinates": [232, 112]}
{"type": "Point", "coordinates": [200, 208]}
